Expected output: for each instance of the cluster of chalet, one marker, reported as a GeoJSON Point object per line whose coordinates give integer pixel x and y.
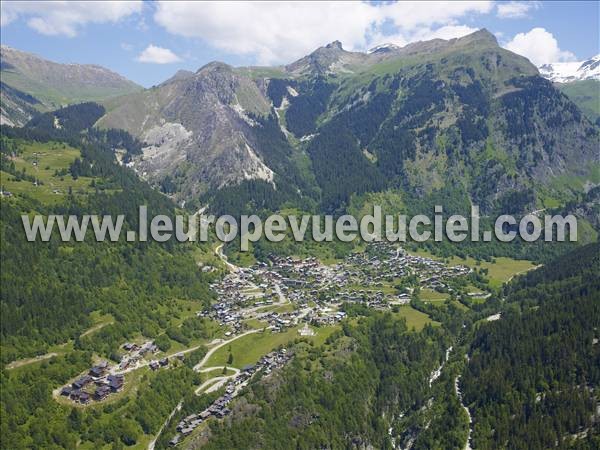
{"type": "Point", "coordinates": [325, 316]}
{"type": "Point", "coordinates": [307, 273]}
{"type": "Point", "coordinates": [241, 288]}
{"type": "Point", "coordinates": [135, 353]}
{"type": "Point", "coordinates": [245, 290]}
{"type": "Point", "coordinates": [220, 407]}
{"type": "Point", "coordinates": [96, 385]}
{"type": "Point", "coordinates": [279, 321]}
{"type": "Point", "coordinates": [157, 364]}
{"type": "Point", "coordinates": [225, 313]}
{"type": "Point", "coordinates": [102, 380]}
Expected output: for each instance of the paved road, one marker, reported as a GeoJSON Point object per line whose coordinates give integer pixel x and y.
{"type": "Point", "coordinates": [218, 381]}
{"type": "Point", "coordinates": [218, 346]}
{"type": "Point", "coordinates": [115, 369]}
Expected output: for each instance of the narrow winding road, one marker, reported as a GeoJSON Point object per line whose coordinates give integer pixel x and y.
{"type": "Point", "coordinates": [218, 381]}
{"type": "Point", "coordinates": [220, 254]}
{"type": "Point", "coordinates": [209, 353]}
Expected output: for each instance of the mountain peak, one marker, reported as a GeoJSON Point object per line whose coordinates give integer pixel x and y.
{"type": "Point", "coordinates": [335, 45]}
{"type": "Point", "coordinates": [326, 59]}
{"type": "Point", "coordinates": [181, 74]}
{"type": "Point", "coordinates": [480, 36]}
{"type": "Point", "coordinates": [215, 66]}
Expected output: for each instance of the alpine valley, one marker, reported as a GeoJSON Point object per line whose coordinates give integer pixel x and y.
{"type": "Point", "coordinates": [302, 345]}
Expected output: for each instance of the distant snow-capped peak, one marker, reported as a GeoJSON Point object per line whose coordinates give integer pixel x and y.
{"type": "Point", "coordinates": [566, 72]}
{"type": "Point", "coordinates": [383, 48]}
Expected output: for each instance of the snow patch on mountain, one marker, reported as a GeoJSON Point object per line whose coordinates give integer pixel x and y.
{"type": "Point", "coordinates": [383, 48]}
{"type": "Point", "coordinates": [567, 72]}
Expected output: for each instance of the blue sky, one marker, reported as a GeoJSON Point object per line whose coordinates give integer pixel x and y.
{"type": "Point", "coordinates": [149, 41]}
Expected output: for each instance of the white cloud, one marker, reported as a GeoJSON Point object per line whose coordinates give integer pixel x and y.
{"type": "Point", "coordinates": [539, 46]}
{"type": "Point", "coordinates": [422, 34]}
{"type": "Point", "coordinates": [66, 17]}
{"type": "Point", "coordinates": [157, 55]}
{"type": "Point", "coordinates": [515, 10]}
{"type": "Point", "coordinates": [279, 32]}
{"type": "Point", "coordinates": [446, 32]}
{"type": "Point", "coordinates": [411, 15]}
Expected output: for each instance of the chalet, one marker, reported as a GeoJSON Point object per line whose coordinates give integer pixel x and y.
{"type": "Point", "coordinates": [81, 382]}
{"type": "Point", "coordinates": [66, 391]}
{"type": "Point", "coordinates": [115, 382]}
{"type": "Point", "coordinates": [75, 394]}
{"type": "Point", "coordinates": [173, 442]}
{"type": "Point", "coordinates": [164, 362]}
{"type": "Point", "coordinates": [98, 370]}
{"type": "Point", "coordinates": [248, 369]}
{"type": "Point", "coordinates": [154, 365]}
{"type": "Point", "coordinates": [220, 413]}
{"type": "Point", "coordinates": [102, 392]}
{"type": "Point", "coordinates": [84, 398]}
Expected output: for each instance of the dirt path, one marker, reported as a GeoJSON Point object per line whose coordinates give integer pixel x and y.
{"type": "Point", "coordinates": [523, 271]}
{"type": "Point", "coordinates": [153, 441]}
{"type": "Point", "coordinates": [27, 361]}
{"type": "Point", "coordinates": [97, 327]}
{"type": "Point", "coordinates": [221, 255]}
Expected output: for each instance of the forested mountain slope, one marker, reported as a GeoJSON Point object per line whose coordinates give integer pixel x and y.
{"type": "Point", "coordinates": [434, 114]}
{"type": "Point", "coordinates": [342, 395]}
{"type": "Point", "coordinates": [533, 376]}
{"type": "Point", "coordinates": [50, 289]}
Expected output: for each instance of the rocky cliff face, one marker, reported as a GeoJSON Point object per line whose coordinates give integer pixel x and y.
{"type": "Point", "coordinates": [16, 107]}
{"type": "Point", "coordinates": [197, 129]}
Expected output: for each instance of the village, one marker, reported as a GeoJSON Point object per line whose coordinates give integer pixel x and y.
{"type": "Point", "coordinates": [317, 291]}
{"type": "Point", "coordinates": [285, 293]}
